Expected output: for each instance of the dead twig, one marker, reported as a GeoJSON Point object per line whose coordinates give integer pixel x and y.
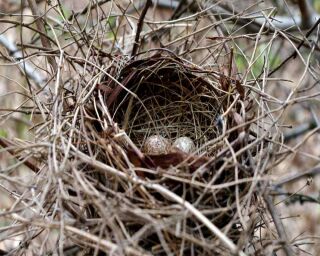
{"type": "Point", "coordinates": [279, 225]}
{"type": "Point", "coordinates": [139, 27]}
{"type": "Point", "coordinates": [307, 13]}
{"type": "Point", "coordinates": [294, 53]}
{"type": "Point", "coordinates": [30, 162]}
{"type": "Point", "coordinates": [297, 176]}
{"type": "Point", "coordinates": [45, 41]}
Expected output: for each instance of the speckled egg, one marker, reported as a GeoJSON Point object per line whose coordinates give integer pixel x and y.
{"type": "Point", "coordinates": [156, 145]}
{"type": "Point", "coordinates": [184, 144]}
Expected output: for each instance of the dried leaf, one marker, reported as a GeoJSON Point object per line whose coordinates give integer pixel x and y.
{"type": "Point", "coordinates": [240, 89]}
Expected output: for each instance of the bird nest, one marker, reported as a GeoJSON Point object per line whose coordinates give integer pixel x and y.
{"type": "Point", "coordinates": [162, 201]}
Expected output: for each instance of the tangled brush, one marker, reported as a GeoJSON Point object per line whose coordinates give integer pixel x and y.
{"type": "Point", "coordinates": [148, 154]}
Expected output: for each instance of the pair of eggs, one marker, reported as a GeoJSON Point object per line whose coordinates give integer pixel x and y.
{"type": "Point", "coordinates": [157, 145]}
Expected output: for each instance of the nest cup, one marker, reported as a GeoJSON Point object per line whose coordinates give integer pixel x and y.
{"type": "Point", "coordinates": [165, 95]}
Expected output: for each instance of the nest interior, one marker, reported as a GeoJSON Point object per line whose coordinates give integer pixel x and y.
{"type": "Point", "coordinates": [164, 97]}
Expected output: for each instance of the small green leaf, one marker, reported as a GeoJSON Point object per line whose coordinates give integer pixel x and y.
{"type": "Point", "coordinates": [3, 133]}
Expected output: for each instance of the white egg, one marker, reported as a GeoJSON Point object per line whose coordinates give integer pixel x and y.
{"type": "Point", "coordinates": [184, 144]}
{"type": "Point", "coordinates": [156, 145]}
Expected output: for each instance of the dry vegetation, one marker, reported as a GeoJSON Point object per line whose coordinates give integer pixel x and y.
{"type": "Point", "coordinates": [84, 84]}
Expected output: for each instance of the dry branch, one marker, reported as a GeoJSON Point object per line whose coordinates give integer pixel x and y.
{"type": "Point", "coordinates": [45, 41]}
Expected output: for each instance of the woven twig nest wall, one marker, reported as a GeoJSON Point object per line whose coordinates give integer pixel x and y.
{"type": "Point", "coordinates": [166, 96]}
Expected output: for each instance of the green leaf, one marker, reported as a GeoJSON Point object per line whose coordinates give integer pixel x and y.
{"type": "Point", "coordinates": [3, 133]}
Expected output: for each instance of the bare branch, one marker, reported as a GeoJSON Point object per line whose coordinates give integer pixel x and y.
{"type": "Point", "coordinates": [308, 14]}
{"type": "Point", "coordinates": [297, 176]}
{"type": "Point", "coordinates": [253, 24]}
{"type": "Point", "coordinates": [45, 41]}
{"type": "Point", "coordinates": [139, 27]}
{"type": "Point", "coordinates": [279, 226]}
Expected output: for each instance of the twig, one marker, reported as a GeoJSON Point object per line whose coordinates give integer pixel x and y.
{"type": "Point", "coordinates": [278, 224]}
{"type": "Point", "coordinates": [297, 176]}
{"type": "Point", "coordinates": [291, 198]}
{"type": "Point", "coordinates": [89, 6]}
{"type": "Point", "coordinates": [314, 116]}
{"type": "Point", "coordinates": [294, 54]}
{"type": "Point", "coordinates": [307, 35]}
{"type": "Point", "coordinates": [44, 40]}
{"type": "Point", "coordinates": [166, 193]}
{"type": "Point", "coordinates": [307, 13]}
{"type": "Point", "coordinates": [253, 24]}
{"type": "Point", "coordinates": [178, 8]}
{"type": "Point", "coordinates": [28, 162]}
{"type": "Point", "coordinates": [303, 128]}
{"type": "Point", "coordinates": [139, 27]}
{"type": "Point", "coordinates": [105, 244]}
{"type": "Point", "coordinates": [299, 130]}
